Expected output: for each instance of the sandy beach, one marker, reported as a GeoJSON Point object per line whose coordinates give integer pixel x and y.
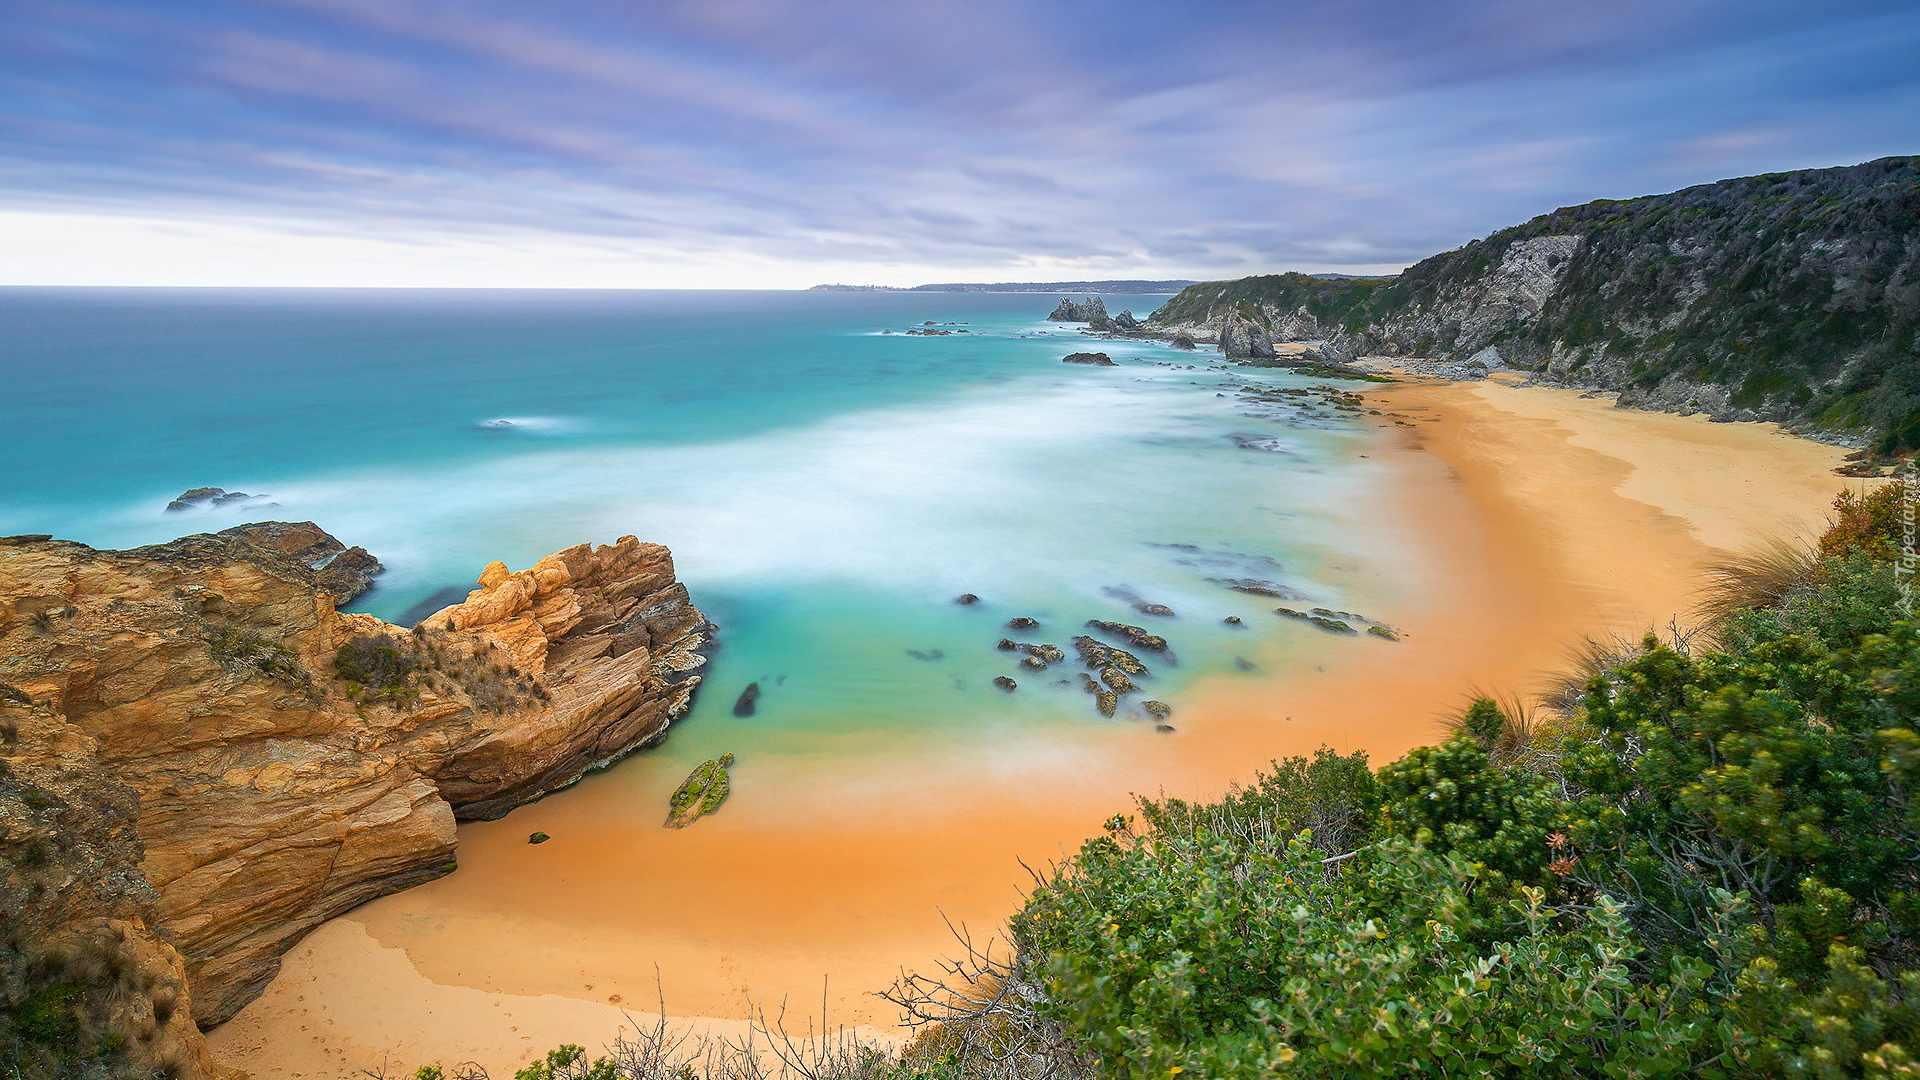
{"type": "Point", "coordinates": [1541, 516]}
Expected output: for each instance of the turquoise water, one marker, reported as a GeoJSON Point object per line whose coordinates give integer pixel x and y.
{"type": "Point", "coordinates": [827, 489]}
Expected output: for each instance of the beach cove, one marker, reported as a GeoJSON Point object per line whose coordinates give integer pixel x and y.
{"type": "Point", "coordinates": [833, 472]}
{"type": "Point", "coordinates": [1542, 515]}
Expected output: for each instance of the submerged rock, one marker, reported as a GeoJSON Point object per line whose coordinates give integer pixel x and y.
{"type": "Point", "coordinates": [1159, 710]}
{"type": "Point", "coordinates": [1005, 683]}
{"type": "Point", "coordinates": [205, 497]}
{"type": "Point", "coordinates": [1096, 655]}
{"type": "Point", "coordinates": [1022, 623]}
{"type": "Point", "coordinates": [1232, 620]}
{"type": "Point", "coordinates": [1098, 359]}
{"type": "Point", "coordinates": [1383, 631]}
{"type": "Point", "coordinates": [538, 838]}
{"type": "Point", "coordinates": [1136, 636]}
{"type": "Point", "coordinates": [1117, 680]}
{"type": "Point", "coordinates": [966, 598]}
{"type": "Point", "coordinates": [748, 701]}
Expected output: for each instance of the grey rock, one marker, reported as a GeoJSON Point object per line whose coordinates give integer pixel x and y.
{"type": "Point", "coordinates": [1089, 310]}
{"type": "Point", "coordinates": [1244, 339]}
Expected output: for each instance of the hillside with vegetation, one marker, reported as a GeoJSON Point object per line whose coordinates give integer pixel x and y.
{"type": "Point", "coordinates": [1700, 857]}
{"type": "Point", "coordinates": [1789, 296]}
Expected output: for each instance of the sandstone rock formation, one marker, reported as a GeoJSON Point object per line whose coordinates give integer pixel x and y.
{"type": "Point", "coordinates": [292, 761]}
{"type": "Point", "coordinates": [85, 977]}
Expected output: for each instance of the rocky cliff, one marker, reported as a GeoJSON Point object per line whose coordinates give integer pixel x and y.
{"type": "Point", "coordinates": [90, 985]}
{"type": "Point", "coordinates": [1790, 296]}
{"type": "Point", "coordinates": [291, 761]}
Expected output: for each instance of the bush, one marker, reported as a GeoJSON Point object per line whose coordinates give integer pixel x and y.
{"type": "Point", "coordinates": [375, 662]}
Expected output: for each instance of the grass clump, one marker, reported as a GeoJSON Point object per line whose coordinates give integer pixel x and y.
{"type": "Point", "coordinates": [242, 648]}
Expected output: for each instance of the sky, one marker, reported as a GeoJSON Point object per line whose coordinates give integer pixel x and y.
{"type": "Point", "coordinates": [785, 143]}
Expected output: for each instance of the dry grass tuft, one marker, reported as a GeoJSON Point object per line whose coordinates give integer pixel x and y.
{"type": "Point", "coordinates": [1761, 578]}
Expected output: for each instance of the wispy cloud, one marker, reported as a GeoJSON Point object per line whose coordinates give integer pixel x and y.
{"type": "Point", "coordinates": [765, 141]}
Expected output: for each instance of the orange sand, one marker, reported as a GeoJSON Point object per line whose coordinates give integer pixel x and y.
{"type": "Point", "coordinates": [1539, 516]}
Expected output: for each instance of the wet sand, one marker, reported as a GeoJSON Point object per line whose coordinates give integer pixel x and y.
{"type": "Point", "coordinates": [1538, 516]}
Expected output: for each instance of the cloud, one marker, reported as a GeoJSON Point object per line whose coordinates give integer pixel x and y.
{"type": "Point", "coordinates": [944, 138]}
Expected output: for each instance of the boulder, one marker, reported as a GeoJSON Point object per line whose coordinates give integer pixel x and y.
{"type": "Point", "coordinates": [1244, 339]}
{"type": "Point", "coordinates": [1099, 359]}
{"type": "Point", "coordinates": [1005, 683]}
{"type": "Point", "coordinates": [1182, 341]}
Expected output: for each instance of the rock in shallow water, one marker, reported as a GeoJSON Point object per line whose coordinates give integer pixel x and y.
{"type": "Point", "coordinates": [748, 701]}
{"type": "Point", "coordinates": [701, 793]}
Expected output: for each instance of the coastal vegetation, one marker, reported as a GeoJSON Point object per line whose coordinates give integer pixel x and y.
{"type": "Point", "coordinates": [1787, 296]}
{"type": "Point", "coordinates": [1704, 863]}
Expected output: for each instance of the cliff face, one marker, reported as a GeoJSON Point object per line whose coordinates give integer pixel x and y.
{"type": "Point", "coordinates": [87, 980]}
{"type": "Point", "coordinates": [1790, 296]}
{"type": "Point", "coordinates": [291, 761]}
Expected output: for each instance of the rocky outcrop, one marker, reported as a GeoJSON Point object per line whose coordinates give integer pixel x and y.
{"type": "Point", "coordinates": [1091, 310]}
{"type": "Point", "coordinates": [206, 498]}
{"type": "Point", "coordinates": [1098, 359]}
{"type": "Point", "coordinates": [1244, 339]}
{"type": "Point", "coordinates": [1789, 296]}
{"type": "Point", "coordinates": [1126, 321]}
{"type": "Point", "coordinates": [292, 761]}
{"type": "Point", "coordinates": [88, 986]}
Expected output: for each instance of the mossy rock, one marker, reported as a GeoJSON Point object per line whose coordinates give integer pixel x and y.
{"type": "Point", "coordinates": [701, 793]}
{"type": "Point", "coordinates": [1118, 680]}
{"type": "Point", "coordinates": [1383, 631]}
{"type": "Point", "coordinates": [1159, 710]}
{"type": "Point", "coordinates": [538, 838]}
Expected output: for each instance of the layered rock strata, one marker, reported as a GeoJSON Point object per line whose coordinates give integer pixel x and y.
{"type": "Point", "coordinates": [292, 761]}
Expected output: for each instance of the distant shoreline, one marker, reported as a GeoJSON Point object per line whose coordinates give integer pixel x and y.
{"type": "Point", "coordinates": [1137, 287]}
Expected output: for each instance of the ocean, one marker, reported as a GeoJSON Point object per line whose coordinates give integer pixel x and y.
{"type": "Point", "coordinates": [829, 483]}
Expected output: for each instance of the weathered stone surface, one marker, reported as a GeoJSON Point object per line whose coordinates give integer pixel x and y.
{"type": "Point", "coordinates": [1244, 339]}
{"type": "Point", "coordinates": [275, 792]}
{"type": "Point", "coordinates": [79, 915]}
{"type": "Point", "coordinates": [1091, 310]}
